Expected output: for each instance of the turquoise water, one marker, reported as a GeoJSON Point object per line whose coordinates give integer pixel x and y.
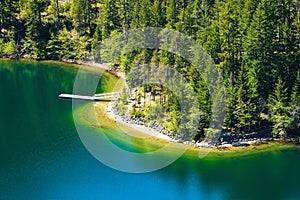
{"type": "Point", "coordinates": [42, 157]}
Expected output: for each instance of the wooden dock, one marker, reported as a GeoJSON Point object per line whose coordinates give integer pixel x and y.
{"type": "Point", "coordinates": [96, 97]}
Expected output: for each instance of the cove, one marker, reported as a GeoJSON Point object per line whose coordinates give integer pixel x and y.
{"type": "Point", "coordinates": [42, 157]}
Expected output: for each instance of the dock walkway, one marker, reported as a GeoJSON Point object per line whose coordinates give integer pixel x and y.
{"type": "Point", "coordinates": [96, 97]}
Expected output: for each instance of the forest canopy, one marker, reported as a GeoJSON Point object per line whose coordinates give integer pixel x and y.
{"type": "Point", "coordinates": [254, 43]}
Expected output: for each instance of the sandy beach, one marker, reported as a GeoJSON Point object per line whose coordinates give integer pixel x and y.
{"type": "Point", "coordinates": [146, 130]}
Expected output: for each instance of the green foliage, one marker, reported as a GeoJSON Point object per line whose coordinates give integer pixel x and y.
{"type": "Point", "coordinates": [253, 42]}
{"type": "Point", "coordinates": [122, 109]}
{"type": "Point", "coordinates": [295, 102]}
{"type": "Point", "coordinates": [67, 45]}
{"type": "Point", "coordinates": [279, 110]}
{"type": "Point", "coordinates": [124, 97]}
{"type": "Point", "coordinates": [2, 46]}
{"type": "Point", "coordinates": [138, 113]}
{"type": "Point", "coordinates": [155, 113]}
{"type": "Point", "coordinates": [10, 48]}
{"type": "Point", "coordinates": [157, 14]}
{"type": "Point", "coordinates": [36, 35]}
{"type": "Point", "coordinates": [211, 133]}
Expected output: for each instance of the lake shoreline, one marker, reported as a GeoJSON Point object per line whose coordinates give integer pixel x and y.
{"type": "Point", "coordinates": [113, 114]}
{"type": "Point", "coordinates": [226, 148]}
{"type": "Point", "coordinates": [77, 63]}
{"type": "Point", "coordinates": [110, 111]}
{"type": "Point", "coordinates": [192, 152]}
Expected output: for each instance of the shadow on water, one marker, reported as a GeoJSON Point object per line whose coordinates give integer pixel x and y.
{"type": "Point", "coordinates": [272, 175]}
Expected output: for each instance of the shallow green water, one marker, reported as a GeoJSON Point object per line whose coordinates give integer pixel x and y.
{"type": "Point", "coordinates": [42, 157]}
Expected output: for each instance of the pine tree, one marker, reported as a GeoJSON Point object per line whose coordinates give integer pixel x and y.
{"type": "Point", "coordinates": [280, 111]}
{"type": "Point", "coordinates": [36, 32]}
{"type": "Point", "coordinates": [232, 99]}
{"type": "Point", "coordinates": [144, 13]}
{"type": "Point", "coordinates": [97, 37]}
{"type": "Point", "coordinates": [171, 14]}
{"type": "Point", "coordinates": [109, 19]}
{"type": "Point", "coordinates": [285, 41]}
{"type": "Point", "coordinates": [202, 20]}
{"type": "Point", "coordinates": [212, 36]}
{"type": "Point", "coordinates": [157, 14]}
{"type": "Point", "coordinates": [8, 8]}
{"type": "Point", "coordinates": [230, 37]}
{"type": "Point", "coordinates": [295, 102]}
{"type": "Point", "coordinates": [237, 107]}
{"type": "Point", "coordinates": [82, 12]}
{"type": "Point", "coordinates": [252, 94]}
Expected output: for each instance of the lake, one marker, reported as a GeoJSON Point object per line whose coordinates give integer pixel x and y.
{"type": "Point", "coordinates": [42, 156]}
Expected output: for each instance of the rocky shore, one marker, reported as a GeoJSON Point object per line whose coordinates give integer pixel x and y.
{"type": "Point", "coordinates": [226, 139]}
{"type": "Point", "coordinates": [154, 129]}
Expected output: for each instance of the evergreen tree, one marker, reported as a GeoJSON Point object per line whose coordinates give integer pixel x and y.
{"type": "Point", "coordinates": [157, 14]}
{"type": "Point", "coordinates": [202, 20]}
{"type": "Point", "coordinates": [280, 111]}
{"type": "Point", "coordinates": [239, 114]}
{"type": "Point", "coordinates": [109, 19]}
{"type": "Point", "coordinates": [8, 8]}
{"type": "Point", "coordinates": [295, 102]}
{"type": "Point", "coordinates": [171, 14]}
{"type": "Point", "coordinates": [259, 45]}
{"type": "Point", "coordinates": [230, 37]}
{"type": "Point", "coordinates": [82, 12]}
{"type": "Point", "coordinates": [144, 13]}
{"type": "Point", "coordinates": [36, 33]}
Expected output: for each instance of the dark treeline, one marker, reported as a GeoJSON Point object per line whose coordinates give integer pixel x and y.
{"type": "Point", "coordinates": [255, 44]}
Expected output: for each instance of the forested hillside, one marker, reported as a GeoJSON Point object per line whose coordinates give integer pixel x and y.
{"type": "Point", "coordinates": [254, 43]}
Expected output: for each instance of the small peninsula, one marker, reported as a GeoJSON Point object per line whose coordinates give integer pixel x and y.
{"type": "Point", "coordinates": [254, 45]}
